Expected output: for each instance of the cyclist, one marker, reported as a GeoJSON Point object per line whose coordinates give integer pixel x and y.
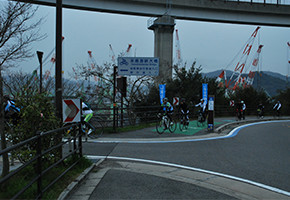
{"type": "Point", "coordinates": [277, 108]}
{"type": "Point", "coordinates": [87, 114]}
{"type": "Point", "coordinates": [11, 110]}
{"type": "Point", "coordinates": [183, 108]}
{"type": "Point", "coordinates": [202, 105]}
{"type": "Point", "coordinates": [243, 109]}
{"type": "Point", "coordinates": [167, 108]}
{"type": "Point", "coordinates": [239, 110]}
{"type": "Point", "coordinates": [260, 110]}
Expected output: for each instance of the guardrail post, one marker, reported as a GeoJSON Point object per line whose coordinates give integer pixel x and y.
{"type": "Point", "coordinates": [39, 165]}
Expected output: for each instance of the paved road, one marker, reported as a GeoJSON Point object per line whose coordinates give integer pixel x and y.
{"type": "Point", "coordinates": [258, 153]}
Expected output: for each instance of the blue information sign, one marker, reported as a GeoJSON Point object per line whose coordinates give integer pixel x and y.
{"type": "Point", "coordinates": [138, 66]}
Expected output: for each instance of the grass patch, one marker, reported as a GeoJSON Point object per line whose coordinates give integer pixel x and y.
{"type": "Point", "coordinates": [16, 183]}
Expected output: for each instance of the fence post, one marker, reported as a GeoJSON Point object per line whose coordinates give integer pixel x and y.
{"type": "Point", "coordinates": [80, 140]}
{"type": "Point", "coordinates": [39, 164]}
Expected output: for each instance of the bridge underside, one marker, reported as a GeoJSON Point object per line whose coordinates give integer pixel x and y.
{"type": "Point", "coordinates": [205, 10]}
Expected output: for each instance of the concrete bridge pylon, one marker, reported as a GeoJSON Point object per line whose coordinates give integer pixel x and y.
{"type": "Point", "coordinates": [163, 28]}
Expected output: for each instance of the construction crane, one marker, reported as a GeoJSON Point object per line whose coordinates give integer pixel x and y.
{"type": "Point", "coordinates": [112, 55]}
{"type": "Point", "coordinates": [128, 51]}
{"type": "Point", "coordinates": [254, 67]}
{"type": "Point", "coordinates": [177, 49]}
{"type": "Point", "coordinates": [236, 80]}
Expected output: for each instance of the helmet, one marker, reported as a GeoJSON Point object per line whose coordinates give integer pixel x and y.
{"type": "Point", "coordinates": [165, 99]}
{"type": "Point", "coordinates": [242, 101]}
{"type": "Point", "coordinates": [201, 99]}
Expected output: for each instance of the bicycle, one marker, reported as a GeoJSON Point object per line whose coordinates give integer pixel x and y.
{"type": "Point", "coordinates": [260, 114]}
{"type": "Point", "coordinates": [165, 123]}
{"type": "Point", "coordinates": [183, 124]}
{"type": "Point", "coordinates": [92, 129]}
{"type": "Point", "coordinates": [200, 119]}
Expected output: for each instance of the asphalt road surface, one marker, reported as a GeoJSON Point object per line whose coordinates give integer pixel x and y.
{"type": "Point", "coordinates": [259, 153]}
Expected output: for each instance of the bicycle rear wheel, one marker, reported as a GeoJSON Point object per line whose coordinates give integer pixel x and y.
{"type": "Point", "coordinates": [160, 126]}
{"type": "Point", "coordinates": [97, 128]}
{"type": "Point", "coordinates": [199, 121]}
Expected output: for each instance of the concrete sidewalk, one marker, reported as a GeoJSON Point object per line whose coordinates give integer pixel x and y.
{"type": "Point", "coordinates": [112, 178]}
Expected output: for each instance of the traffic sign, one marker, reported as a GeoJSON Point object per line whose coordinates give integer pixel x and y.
{"type": "Point", "coordinates": [232, 103]}
{"type": "Point", "coordinates": [175, 101]}
{"type": "Point", "coordinates": [138, 66]}
{"type": "Point", "coordinates": [71, 110]}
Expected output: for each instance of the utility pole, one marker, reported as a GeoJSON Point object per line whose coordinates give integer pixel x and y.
{"type": "Point", "coordinates": [40, 55]}
{"type": "Point", "coordinates": [58, 63]}
{"type": "Point", "coordinates": [114, 98]}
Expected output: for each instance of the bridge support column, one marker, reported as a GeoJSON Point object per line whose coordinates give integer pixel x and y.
{"type": "Point", "coordinates": [163, 28]}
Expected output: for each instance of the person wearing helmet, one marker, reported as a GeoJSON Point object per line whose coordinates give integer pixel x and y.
{"type": "Point", "coordinates": [202, 105]}
{"type": "Point", "coordinates": [183, 109]}
{"type": "Point", "coordinates": [11, 111]}
{"type": "Point", "coordinates": [260, 110]}
{"type": "Point", "coordinates": [243, 109]}
{"type": "Point", "coordinates": [277, 108]}
{"type": "Point", "coordinates": [167, 108]}
{"type": "Point", "coordinates": [87, 114]}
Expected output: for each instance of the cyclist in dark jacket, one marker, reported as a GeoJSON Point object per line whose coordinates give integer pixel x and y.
{"type": "Point", "coordinates": [183, 108]}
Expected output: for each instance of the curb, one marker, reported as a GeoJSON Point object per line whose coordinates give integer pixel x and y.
{"type": "Point", "coordinates": [227, 125]}
{"type": "Point", "coordinates": [71, 187]}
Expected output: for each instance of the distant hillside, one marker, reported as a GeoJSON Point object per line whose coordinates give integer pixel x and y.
{"type": "Point", "coordinates": [270, 81]}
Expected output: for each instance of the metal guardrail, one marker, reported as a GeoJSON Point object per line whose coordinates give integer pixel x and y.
{"type": "Point", "coordinates": [277, 2]}
{"type": "Point", "coordinates": [132, 116]}
{"type": "Point", "coordinates": [38, 161]}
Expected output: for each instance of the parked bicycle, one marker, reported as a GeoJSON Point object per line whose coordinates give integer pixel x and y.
{"type": "Point", "coordinates": [183, 124]}
{"type": "Point", "coordinates": [165, 123]}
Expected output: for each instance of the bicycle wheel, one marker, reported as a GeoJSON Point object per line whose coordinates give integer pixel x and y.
{"type": "Point", "coordinates": [181, 125]}
{"type": "Point", "coordinates": [199, 121]}
{"type": "Point", "coordinates": [172, 126]}
{"type": "Point", "coordinates": [160, 126]}
{"type": "Point", "coordinates": [96, 127]}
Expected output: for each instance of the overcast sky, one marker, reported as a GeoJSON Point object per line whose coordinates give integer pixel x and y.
{"type": "Point", "coordinates": [212, 45]}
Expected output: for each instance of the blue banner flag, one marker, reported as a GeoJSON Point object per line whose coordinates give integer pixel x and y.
{"type": "Point", "coordinates": [162, 92]}
{"type": "Point", "coordinates": [204, 92]}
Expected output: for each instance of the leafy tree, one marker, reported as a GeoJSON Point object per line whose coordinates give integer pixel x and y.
{"type": "Point", "coordinates": [252, 98]}
{"type": "Point", "coordinates": [186, 84]}
{"type": "Point", "coordinates": [17, 32]}
{"type": "Point", "coordinates": [37, 115]}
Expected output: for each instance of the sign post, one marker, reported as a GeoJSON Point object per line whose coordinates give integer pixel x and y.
{"type": "Point", "coordinates": [210, 119]}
